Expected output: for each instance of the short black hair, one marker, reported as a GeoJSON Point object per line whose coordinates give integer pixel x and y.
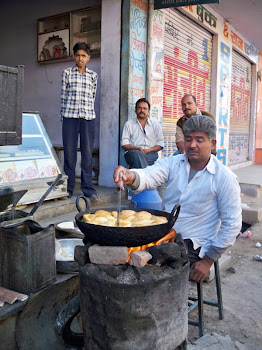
{"type": "Point", "coordinates": [81, 46]}
{"type": "Point", "coordinates": [143, 100]}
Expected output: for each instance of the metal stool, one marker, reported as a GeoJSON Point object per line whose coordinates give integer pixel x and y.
{"type": "Point", "coordinates": [199, 301]}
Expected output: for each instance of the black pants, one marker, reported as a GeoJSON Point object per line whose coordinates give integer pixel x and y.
{"type": "Point", "coordinates": [192, 254]}
{"type": "Point", "coordinates": [72, 129]}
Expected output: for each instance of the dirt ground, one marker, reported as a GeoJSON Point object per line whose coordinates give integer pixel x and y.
{"type": "Point", "coordinates": [242, 295]}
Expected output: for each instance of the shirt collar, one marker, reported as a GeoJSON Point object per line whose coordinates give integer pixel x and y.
{"type": "Point", "coordinates": [149, 121]}
{"type": "Point", "coordinates": [209, 167]}
{"type": "Point", "coordinates": [74, 68]}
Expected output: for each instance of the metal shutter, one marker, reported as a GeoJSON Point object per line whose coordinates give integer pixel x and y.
{"type": "Point", "coordinates": [239, 109]}
{"type": "Point", "coordinates": [187, 69]}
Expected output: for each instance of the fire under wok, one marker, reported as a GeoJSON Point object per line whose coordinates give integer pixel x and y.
{"type": "Point", "coordinates": [124, 236]}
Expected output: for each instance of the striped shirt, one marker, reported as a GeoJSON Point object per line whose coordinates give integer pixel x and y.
{"type": "Point", "coordinates": [78, 93]}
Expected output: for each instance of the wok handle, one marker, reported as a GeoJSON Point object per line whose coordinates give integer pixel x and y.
{"type": "Point", "coordinates": [172, 219]}
{"type": "Point", "coordinates": [86, 203]}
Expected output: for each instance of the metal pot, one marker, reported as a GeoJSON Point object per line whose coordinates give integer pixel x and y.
{"type": "Point", "coordinates": [124, 236]}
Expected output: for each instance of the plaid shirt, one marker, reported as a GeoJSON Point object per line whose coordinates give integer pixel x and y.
{"type": "Point", "coordinates": [78, 93]}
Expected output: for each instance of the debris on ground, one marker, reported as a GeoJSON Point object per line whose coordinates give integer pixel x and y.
{"type": "Point", "coordinates": [257, 257]}
{"type": "Point", "coordinates": [246, 234]}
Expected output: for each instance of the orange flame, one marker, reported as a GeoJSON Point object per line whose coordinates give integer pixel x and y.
{"type": "Point", "coordinates": [170, 237]}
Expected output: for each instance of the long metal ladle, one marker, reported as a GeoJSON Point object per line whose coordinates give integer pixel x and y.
{"type": "Point", "coordinates": [119, 189]}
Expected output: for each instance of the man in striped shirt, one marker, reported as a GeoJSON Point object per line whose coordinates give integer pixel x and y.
{"type": "Point", "coordinates": [78, 115]}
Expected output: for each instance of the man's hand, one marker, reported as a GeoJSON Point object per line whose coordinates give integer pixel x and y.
{"type": "Point", "coordinates": [199, 269]}
{"type": "Point", "coordinates": [123, 176]}
{"type": "Point", "coordinates": [181, 147]}
{"type": "Point", "coordinates": [146, 150]}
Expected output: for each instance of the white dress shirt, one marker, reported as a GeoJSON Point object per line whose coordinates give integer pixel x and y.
{"type": "Point", "coordinates": [133, 134]}
{"type": "Point", "coordinates": [210, 212]}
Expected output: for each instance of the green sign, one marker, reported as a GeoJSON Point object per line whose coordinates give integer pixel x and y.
{"type": "Point", "coordinates": [159, 4]}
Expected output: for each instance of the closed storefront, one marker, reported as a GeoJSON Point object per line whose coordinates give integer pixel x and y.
{"type": "Point", "coordinates": [187, 69]}
{"type": "Point", "coordinates": [240, 109]}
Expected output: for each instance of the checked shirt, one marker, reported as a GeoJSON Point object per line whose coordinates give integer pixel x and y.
{"type": "Point", "coordinates": [78, 93]}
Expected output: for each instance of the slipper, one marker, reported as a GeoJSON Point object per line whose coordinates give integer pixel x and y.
{"type": "Point", "coordinates": [94, 198]}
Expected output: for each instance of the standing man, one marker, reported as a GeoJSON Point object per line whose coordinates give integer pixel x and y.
{"type": "Point", "coordinates": [208, 192]}
{"type": "Point", "coordinates": [78, 115]}
{"type": "Point", "coordinates": [142, 137]}
{"type": "Point", "coordinates": [190, 108]}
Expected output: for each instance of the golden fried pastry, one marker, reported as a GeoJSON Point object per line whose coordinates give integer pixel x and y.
{"type": "Point", "coordinates": [143, 214]}
{"type": "Point", "coordinates": [114, 214]}
{"type": "Point", "coordinates": [99, 220]}
{"type": "Point", "coordinates": [103, 213]}
{"type": "Point", "coordinates": [159, 220]}
{"type": "Point", "coordinates": [141, 222]}
{"type": "Point", "coordinates": [127, 213]}
{"type": "Point", "coordinates": [125, 223]}
{"type": "Point", "coordinates": [89, 217]}
{"type": "Point", "coordinates": [110, 222]}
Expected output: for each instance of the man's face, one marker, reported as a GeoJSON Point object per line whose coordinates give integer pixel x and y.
{"type": "Point", "coordinates": [142, 110]}
{"type": "Point", "coordinates": [198, 148]}
{"type": "Point", "coordinates": [81, 58]}
{"type": "Point", "coordinates": [189, 106]}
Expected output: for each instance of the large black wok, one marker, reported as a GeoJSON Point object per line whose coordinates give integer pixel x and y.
{"type": "Point", "coordinates": [124, 236]}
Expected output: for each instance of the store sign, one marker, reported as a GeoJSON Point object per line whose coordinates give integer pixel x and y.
{"type": "Point", "coordinates": [159, 4]}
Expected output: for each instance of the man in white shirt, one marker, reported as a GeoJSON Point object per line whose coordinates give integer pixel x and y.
{"type": "Point", "coordinates": [142, 137]}
{"type": "Point", "coordinates": [208, 192]}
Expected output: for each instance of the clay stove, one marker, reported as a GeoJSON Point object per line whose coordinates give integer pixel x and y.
{"type": "Point", "coordinates": [129, 307]}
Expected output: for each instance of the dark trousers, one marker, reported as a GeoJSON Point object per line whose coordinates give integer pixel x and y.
{"type": "Point", "coordinates": [73, 127]}
{"type": "Point", "coordinates": [138, 159]}
{"type": "Point", "coordinates": [192, 253]}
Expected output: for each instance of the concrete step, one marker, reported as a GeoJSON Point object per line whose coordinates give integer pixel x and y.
{"type": "Point", "coordinates": [251, 209]}
{"type": "Point", "coordinates": [250, 180]}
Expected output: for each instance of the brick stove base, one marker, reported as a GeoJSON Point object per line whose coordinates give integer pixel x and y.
{"type": "Point", "coordinates": [124, 307]}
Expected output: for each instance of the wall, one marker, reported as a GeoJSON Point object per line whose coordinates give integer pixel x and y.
{"type": "Point", "coordinates": [258, 152]}
{"type": "Point", "coordinates": [18, 42]}
{"type": "Point", "coordinates": [110, 91]}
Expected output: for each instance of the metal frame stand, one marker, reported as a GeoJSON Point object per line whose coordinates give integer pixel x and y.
{"type": "Point", "coordinates": [199, 301]}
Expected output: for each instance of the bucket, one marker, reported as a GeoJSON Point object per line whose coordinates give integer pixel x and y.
{"type": "Point", "coordinates": [148, 199]}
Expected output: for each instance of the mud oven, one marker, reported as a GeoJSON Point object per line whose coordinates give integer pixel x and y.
{"type": "Point", "coordinates": [131, 298]}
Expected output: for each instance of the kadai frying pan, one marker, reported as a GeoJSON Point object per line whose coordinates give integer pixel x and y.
{"type": "Point", "coordinates": [124, 236]}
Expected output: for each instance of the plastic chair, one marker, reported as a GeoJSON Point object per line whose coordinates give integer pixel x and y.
{"type": "Point", "coordinates": [199, 301]}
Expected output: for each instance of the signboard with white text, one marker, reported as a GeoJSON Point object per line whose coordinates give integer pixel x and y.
{"type": "Point", "coordinates": [159, 4]}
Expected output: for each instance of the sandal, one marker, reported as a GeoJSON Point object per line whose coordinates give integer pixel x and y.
{"type": "Point", "coordinates": [94, 198]}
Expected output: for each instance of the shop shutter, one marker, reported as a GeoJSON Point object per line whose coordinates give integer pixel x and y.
{"type": "Point", "coordinates": [239, 109]}
{"type": "Point", "coordinates": [187, 69]}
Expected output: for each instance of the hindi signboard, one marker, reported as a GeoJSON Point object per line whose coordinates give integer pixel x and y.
{"type": "Point", "coordinates": [159, 4]}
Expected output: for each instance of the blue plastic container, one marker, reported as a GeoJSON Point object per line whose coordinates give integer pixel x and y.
{"type": "Point", "coordinates": [148, 199]}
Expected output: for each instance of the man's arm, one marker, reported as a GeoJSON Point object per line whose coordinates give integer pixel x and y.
{"type": "Point", "coordinates": [129, 147]}
{"type": "Point", "coordinates": [229, 206]}
{"type": "Point", "coordinates": [180, 140]}
{"type": "Point", "coordinates": [63, 94]}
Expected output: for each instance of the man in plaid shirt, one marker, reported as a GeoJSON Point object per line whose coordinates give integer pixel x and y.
{"type": "Point", "coordinates": [78, 115]}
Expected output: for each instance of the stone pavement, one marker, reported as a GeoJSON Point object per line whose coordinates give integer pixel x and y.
{"type": "Point", "coordinates": [216, 341]}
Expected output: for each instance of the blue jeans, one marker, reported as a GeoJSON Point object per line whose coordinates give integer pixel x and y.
{"type": "Point", "coordinates": [137, 159]}
{"type": "Point", "coordinates": [73, 127]}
